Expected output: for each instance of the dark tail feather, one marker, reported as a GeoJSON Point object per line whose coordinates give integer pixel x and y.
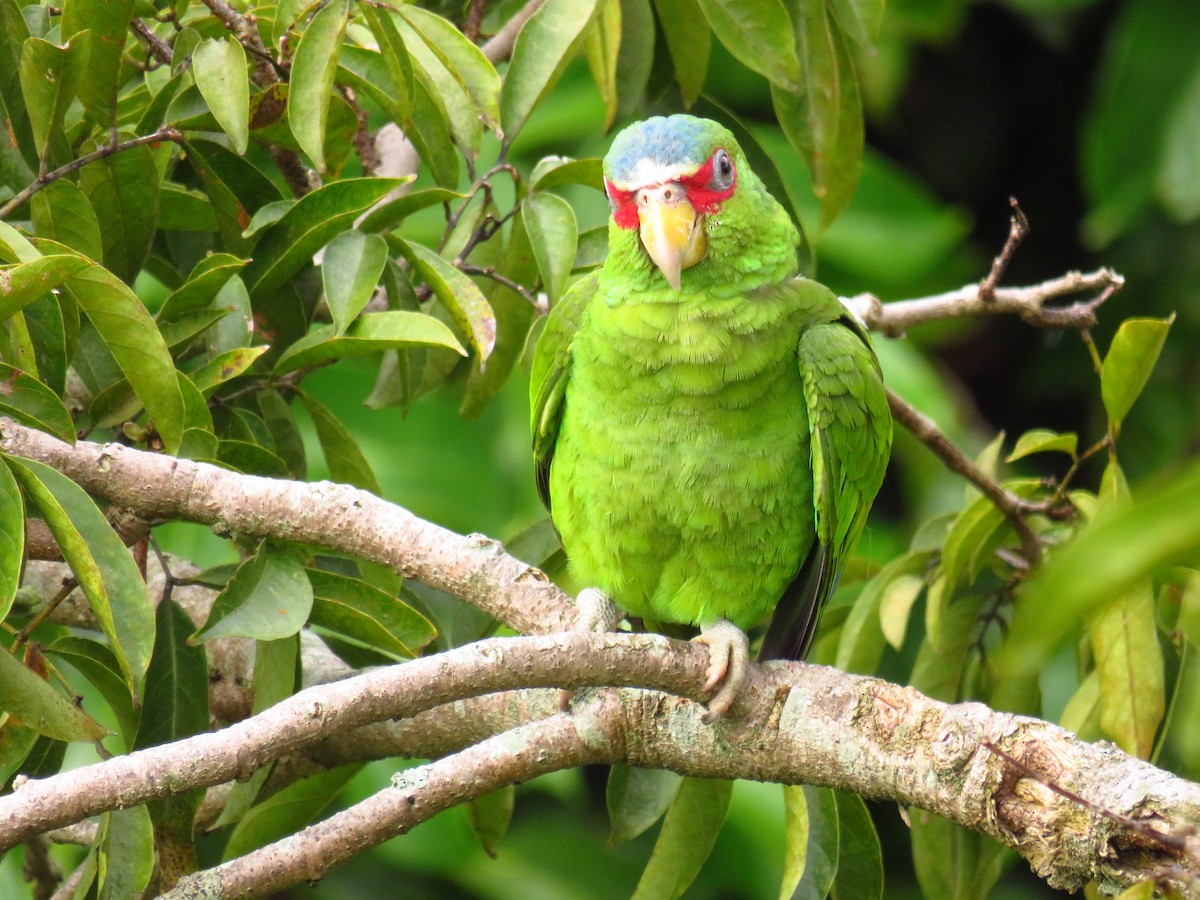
{"type": "Point", "coordinates": [799, 611]}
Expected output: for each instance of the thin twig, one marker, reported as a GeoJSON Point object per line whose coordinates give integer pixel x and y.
{"type": "Point", "coordinates": [156, 46]}
{"type": "Point", "coordinates": [475, 20]}
{"type": "Point", "coordinates": [68, 585]}
{"type": "Point", "coordinates": [1013, 507]}
{"type": "Point", "coordinates": [1018, 228]}
{"type": "Point", "coordinates": [163, 134]}
{"type": "Point", "coordinates": [490, 272]}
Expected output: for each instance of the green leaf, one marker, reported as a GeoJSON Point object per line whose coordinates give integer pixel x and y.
{"type": "Point", "coordinates": [50, 77]}
{"type": "Point", "coordinates": [32, 403]}
{"type": "Point", "coordinates": [458, 294]}
{"type": "Point", "coordinates": [62, 212]}
{"type": "Point", "coordinates": [759, 35]}
{"type": "Point", "coordinates": [223, 367]}
{"type": "Point", "coordinates": [861, 643]}
{"type": "Point", "coordinates": [860, 20]}
{"type": "Point", "coordinates": [399, 65]}
{"type": "Point", "coordinates": [359, 611]}
{"type": "Point", "coordinates": [558, 171]}
{"type": "Point", "coordinates": [269, 597]}
{"type": "Point", "coordinates": [289, 445]}
{"type": "Point", "coordinates": [1129, 662]}
{"type": "Point", "coordinates": [29, 698]}
{"type": "Point", "coordinates": [688, 833]}
{"type": "Point", "coordinates": [313, 70]}
{"type": "Point", "coordinates": [823, 118]}
{"type": "Point", "coordinates": [351, 269]}
{"type": "Point", "coordinates": [546, 44]}
{"type": "Point", "coordinates": [689, 42]}
{"type": "Point", "coordinates": [343, 458]}
{"type": "Point", "coordinates": [99, 665]}
{"type": "Point", "coordinates": [129, 332]}
{"type": "Point", "coordinates": [370, 333]}
{"type": "Point", "coordinates": [23, 283]}
{"type": "Point", "coordinates": [896, 604]}
{"type": "Point", "coordinates": [953, 862]}
{"type": "Point", "coordinates": [490, 816]}
{"type": "Point", "coordinates": [175, 705]}
{"type": "Point", "coordinates": [860, 858]}
{"type": "Point", "coordinates": [318, 217]}
{"type": "Point", "coordinates": [12, 539]}
{"type": "Point", "coordinates": [123, 189]}
{"type": "Point", "coordinates": [1177, 183]}
{"type": "Point", "coordinates": [287, 811]}
{"type": "Point", "coordinates": [391, 213]}
{"type": "Point", "coordinates": [109, 25]}
{"type": "Point", "coordinates": [236, 190]}
{"type": "Point", "coordinates": [1127, 366]}
{"type": "Point", "coordinates": [1040, 440]}
{"type": "Point", "coordinates": [812, 842]}
{"type": "Point", "coordinates": [1081, 715]}
{"type": "Point", "coordinates": [637, 798]}
{"type": "Point", "coordinates": [126, 853]}
{"type": "Point", "coordinates": [602, 44]}
{"type": "Point", "coordinates": [219, 66]}
{"type": "Point", "coordinates": [554, 236]}
{"type": "Point", "coordinates": [104, 567]}
{"type": "Point", "coordinates": [180, 209]}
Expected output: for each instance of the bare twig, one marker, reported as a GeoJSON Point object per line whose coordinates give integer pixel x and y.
{"type": "Point", "coordinates": [1018, 228]}
{"type": "Point", "coordinates": [113, 146]}
{"type": "Point", "coordinates": [41, 868]}
{"type": "Point", "coordinates": [1029, 303]}
{"type": "Point", "coordinates": [156, 46]}
{"type": "Point", "coordinates": [1013, 507]}
{"type": "Point", "coordinates": [475, 20]}
{"type": "Point", "coordinates": [490, 272]}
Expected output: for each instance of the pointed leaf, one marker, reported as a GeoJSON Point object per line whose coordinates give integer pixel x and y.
{"type": "Point", "coordinates": [219, 66]}
{"type": "Point", "coordinates": [1129, 662]}
{"type": "Point", "coordinates": [1042, 441]}
{"type": "Point", "coordinates": [458, 294]}
{"type": "Point", "coordinates": [223, 367]}
{"type": "Point", "coordinates": [204, 283]}
{"type": "Point", "coordinates": [445, 88]}
{"type": "Point", "coordinates": [861, 643]}
{"type": "Point", "coordinates": [309, 225]}
{"type": "Point", "coordinates": [395, 56]}
{"type": "Point", "coordinates": [823, 117]}
{"type": "Point", "coordinates": [12, 539]}
{"type": "Point", "coordinates": [175, 705]}
{"type": "Point", "coordinates": [370, 333]}
{"type": "Point", "coordinates": [313, 69]}
{"type": "Point", "coordinates": [269, 597]}
{"type": "Point", "coordinates": [109, 25]}
{"type": "Point", "coordinates": [602, 45]}
{"type": "Point", "coordinates": [490, 816]}
{"type": "Point", "coordinates": [759, 34]}
{"type": "Point", "coordinates": [391, 213]}
{"type": "Point", "coordinates": [62, 212]}
{"type": "Point", "coordinates": [32, 403]}
{"type": "Point", "coordinates": [343, 458]}
{"type": "Point", "coordinates": [688, 833]}
{"type": "Point", "coordinates": [129, 332]}
{"type": "Point", "coordinates": [1127, 366]}
{"type": "Point", "coordinates": [637, 798]}
{"type": "Point", "coordinates": [126, 853]}
{"type": "Point", "coordinates": [123, 189]}
{"type": "Point", "coordinates": [860, 859]}
{"type": "Point", "coordinates": [812, 837]}
{"type": "Point", "coordinates": [547, 42]}
{"type": "Point", "coordinates": [689, 41]}
{"type": "Point", "coordinates": [895, 606]}
{"type": "Point", "coordinates": [287, 811]}
{"type": "Point", "coordinates": [29, 698]}
{"type": "Point", "coordinates": [351, 269]}
{"type": "Point", "coordinates": [363, 613]}
{"type": "Point", "coordinates": [554, 236]}
{"type": "Point", "coordinates": [23, 283]}
{"type": "Point", "coordinates": [50, 76]}
{"type": "Point", "coordinates": [99, 665]}
{"type": "Point", "coordinates": [106, 572]}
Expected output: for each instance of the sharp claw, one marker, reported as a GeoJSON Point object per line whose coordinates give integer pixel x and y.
{"type": "Point", "coordinates": [729, 664]}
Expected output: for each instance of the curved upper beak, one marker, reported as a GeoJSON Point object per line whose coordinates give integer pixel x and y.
{"type": "Point", "coordinates": [670, 230]}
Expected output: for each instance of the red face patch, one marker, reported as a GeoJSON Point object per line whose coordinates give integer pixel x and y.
{"type": "Point", "coordinates": [706, 189]}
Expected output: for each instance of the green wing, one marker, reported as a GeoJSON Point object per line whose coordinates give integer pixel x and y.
{"type": "Point", "coordinates": [550, 374]}
{"type": "Point", "coordinates": [850, 429]}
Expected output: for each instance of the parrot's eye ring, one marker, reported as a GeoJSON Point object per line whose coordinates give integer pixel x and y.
{"type": "Point", "coordinates": [722, 172]}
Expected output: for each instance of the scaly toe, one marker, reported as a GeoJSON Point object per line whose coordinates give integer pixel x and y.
{"type": "Point", "coordinates": [729, 664]}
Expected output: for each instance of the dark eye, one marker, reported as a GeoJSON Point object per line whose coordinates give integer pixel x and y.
{"type": "Point", "coordinates": [723, 174]}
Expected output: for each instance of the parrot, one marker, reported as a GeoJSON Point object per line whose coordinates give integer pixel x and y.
{"type": "Point", "coordinates": [709, 427]}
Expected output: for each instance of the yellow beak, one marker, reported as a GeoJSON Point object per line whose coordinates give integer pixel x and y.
{"type": "Point", "coordinates": [670, 230]}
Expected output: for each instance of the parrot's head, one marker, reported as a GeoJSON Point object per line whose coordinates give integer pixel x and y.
{"type": "Point", "coordinates": [681, 184]}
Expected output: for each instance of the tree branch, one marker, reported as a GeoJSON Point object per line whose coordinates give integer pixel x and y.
{"type": "Point", "coordinates": [1030, 303]}
{"type": "Point", "coordinates": [500, 46]}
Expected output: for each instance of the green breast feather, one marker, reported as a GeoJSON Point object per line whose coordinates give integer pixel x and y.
{"type": "Point", "coordinates": [709, 452]}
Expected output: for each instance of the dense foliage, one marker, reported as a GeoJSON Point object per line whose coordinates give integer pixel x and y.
{"type": "Point", "coordinates": [215, 242]}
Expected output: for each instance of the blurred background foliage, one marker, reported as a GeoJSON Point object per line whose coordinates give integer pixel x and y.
{"type": "Point", "coordinates": [1086, 111]}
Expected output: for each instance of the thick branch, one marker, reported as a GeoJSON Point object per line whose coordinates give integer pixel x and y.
{"type": "Point", "coordinates": [339, 517]}
{"type": "Point", "coordinates": [500, 46]}
{"type": "Point", "coordinates": [1030, 303]}
{"type": "Point", "coordinates": [795, 723]}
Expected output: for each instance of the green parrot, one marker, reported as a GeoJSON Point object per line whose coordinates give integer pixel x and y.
{"type": "Point", "coordinates": [709, 429]}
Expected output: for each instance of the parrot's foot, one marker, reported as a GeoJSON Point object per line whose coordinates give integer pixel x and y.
{"type": "Point", "coordinates": [729, 664]}
{"type": "Point", "coordinates": [596, 613]}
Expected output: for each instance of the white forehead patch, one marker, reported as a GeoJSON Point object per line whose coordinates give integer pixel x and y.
{"type": "Point", "coordinates": [650, 172]}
